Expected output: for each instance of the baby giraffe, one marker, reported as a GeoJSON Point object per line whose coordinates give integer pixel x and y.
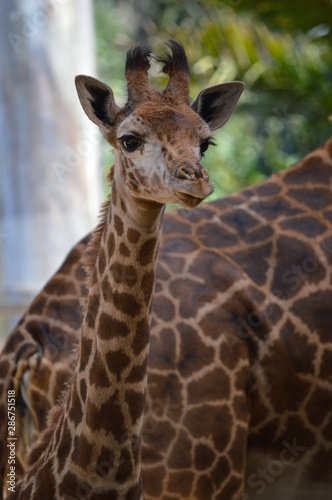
{"type": "Point", "coordinates": [91, 449]}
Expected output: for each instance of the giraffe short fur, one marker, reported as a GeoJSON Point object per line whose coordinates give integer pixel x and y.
{"type": "Point", "coordinates": [239, 377]}
{"type": "Point", "coordinates": [91, 446]}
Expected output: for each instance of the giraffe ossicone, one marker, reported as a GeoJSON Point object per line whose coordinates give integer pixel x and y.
{"type": "Point", "coordinates": [91, 448]}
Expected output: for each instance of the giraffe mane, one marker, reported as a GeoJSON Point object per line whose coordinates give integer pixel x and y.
{"type": "Point", "coordinates": [92, 250]}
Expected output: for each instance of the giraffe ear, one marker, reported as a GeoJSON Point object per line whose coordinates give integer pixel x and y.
{"type": "Point", "coordinates": [97, 100]}
{"type": "Point", "coordinates": [216, 104]}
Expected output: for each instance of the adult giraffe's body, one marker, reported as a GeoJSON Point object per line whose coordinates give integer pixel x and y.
{"type": "Point", "coordinates": [241, 333]}
{"type": "Point", "coordinates": [91, 446]}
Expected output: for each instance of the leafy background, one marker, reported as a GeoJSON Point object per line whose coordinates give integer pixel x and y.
{"type": "Point", "coordinates": [280, 49]}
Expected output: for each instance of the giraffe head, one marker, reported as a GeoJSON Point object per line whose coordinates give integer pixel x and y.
{"type": "Point", "coordinates": [158, 137]}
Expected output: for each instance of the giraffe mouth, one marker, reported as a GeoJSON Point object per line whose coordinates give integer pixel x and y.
{"type": "Point", "coordinates": [188, 200]}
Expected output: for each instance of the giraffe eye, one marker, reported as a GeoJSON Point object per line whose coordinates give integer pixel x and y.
{"type": "Point", "coordinates": [205, 145]}
{"type": "Point", "coordinates": [130, 143]}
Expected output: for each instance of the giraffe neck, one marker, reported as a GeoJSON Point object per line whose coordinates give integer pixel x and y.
{"type": "Point", "coordinates": [104, 412]}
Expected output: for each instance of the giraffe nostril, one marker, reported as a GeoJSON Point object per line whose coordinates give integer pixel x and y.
{"type": "Point", "coordinates": [189, 172]}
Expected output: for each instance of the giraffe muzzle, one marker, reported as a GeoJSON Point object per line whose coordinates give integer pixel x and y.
{"type": "Point", "coordinates": [190, 184]}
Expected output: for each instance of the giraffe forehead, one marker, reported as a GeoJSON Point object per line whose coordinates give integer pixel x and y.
{"type": "Point", "coordinates": [165, 123]}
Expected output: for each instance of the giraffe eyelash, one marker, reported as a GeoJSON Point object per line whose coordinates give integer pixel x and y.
{"type": "Point", "coordinates": [204, 146]}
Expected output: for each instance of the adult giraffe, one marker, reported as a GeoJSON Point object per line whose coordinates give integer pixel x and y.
{"type": "Point", "coordinates": [91, 448]}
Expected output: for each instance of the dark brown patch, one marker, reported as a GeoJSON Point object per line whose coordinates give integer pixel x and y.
{"type": "Point", "coordinates": [73, 487]}
{"type": "Point", "coordinates": [142, 337]}
{"type": "Point", "coordinates": [181, 483]}
{"type": "Point", "coordinates": [179, 245]}
{"type": "Point", "coordinates": [107, 289]}
{"type": "Point", "coordinates": [38, 305]}
{"type": "Point", "coordinates": [297, 265]}
{"type": "Point", "coordinates": [308, 172]}
{"type": "Point", "coordinates": [118, 225]}
{"type": "Point", "coordinates": [162, 350]}
{"type": "Point", "coordinates": [86, 347]}
{"type": "Point", "coordinates": [117, 361]}
{"type": "Point", "coordinates": [147, 285]}
{"type": "Point", "coordinates": [68, 312]}
{"type": "Point", "coordinates": [163, 308]}
{"type": "Point", "coordinates": [262, 233]}
{"type": "Point", "coordinates": [92, 310]}
{"type": "Point", "coordinates": [4, 368]}
{"type": "Point", "coordinates": [295, 431]}
{"type": "Point", "coordinates": [127, 304]}
{"type": "Point", "coordinates": [204, 488]}
{"type": "Point", "coordinates": [125, 468]}
{"type": "Point", "coordinates": [273, 208]}
{"type": "Point", "coordinates": [146, 251]}
{"type": "Point", "coordinates": [316, 312]}
{"type": "Point", "coordinates": [295, 355]}
{"type": "Point", "coordinates": [181, 454]}
{"type": "Point", "coordinates": [133, 235]}
{"type": "Point", "coordinates": [135, 401]}
{"type": "Point", "coordinates": [204, 456]}
{"type": "Point", "coordinates": [204, 422]}
{"type": "Point", "coordinates": [64, 447]}
{"type": "Point", "coordinates": [108, 417]}
{"type": "Point", "coordinates": [213, 386]}
{"type": "Point", "coordinates": [326, 365]}
{"type": "Point", "coordinates": [239, 220]}
{"type": "Point", "coordinates": [82, 451]}
{"type": "Point", "coordinates": [101, 261]}
{"type": "Point", "coordinates": [222, 238]}
{"type": "Point", "coordinates": [315, 199]}
{"type": "Point", "coordinates": [221, 472]}
{"type": "Point", "coordinates": [111, 245]}
{"type": "Point", "coordinates": [254, 262]}
{"type": "Point", "coordinates": [268, 189]}
{"type": "Point", "coordinates": [173, 226]}
{"type": "Point", "coordinates": [83, 389]}
{"type": "Point", "coordinates": [124, 274]}
{"type": "Point", "coordinates": [123, 207]}
{"type": "Point", "coordinates": [98, 375]}
{"type": "Point", "coordinates": [194, 354]}
{"type": "Point", "coordinates": [137, 373]}
{"type": "Point", "coordinates": [105, 462]}
{"type": "Point", "coordinates": [231, 488]}
{"type": "Point", "coordinates": [60, 286]}
{"type": "Point", "coordinates": [238, 449]}
{"type": "Point", "coordinates": [319, 406]}
{"type": "Point", "coordinates": [327, 431]}
{"type": "Point", "coordinates": [212, 321]}
{"type": "Point", "coordinates": [45, 485]}
{"type": "Point", "coordinates": [165, 393]}
{"type": "Point", "coordinates": [153, 481]}
{"type": "Point", "coordinates": [75, 412]}
{"type": "Point", "coordinates": [109, 327]}
{"type": "Point", "coordinates": [307, 225]}
{"type": "Point", "coordinates": [114, 195]}
{"type": "Point", "coordinates": [124, 250]}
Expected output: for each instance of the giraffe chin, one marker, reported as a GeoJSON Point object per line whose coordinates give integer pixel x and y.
{"type": "Point", "coordinates": [188, 200]}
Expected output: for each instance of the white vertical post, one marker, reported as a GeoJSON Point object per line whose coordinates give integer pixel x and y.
{"type": "Point", "coordinates": [50, 187]}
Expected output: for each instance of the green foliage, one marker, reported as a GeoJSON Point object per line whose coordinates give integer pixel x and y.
{"type": "Point", "coordinates": [281, 50]}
